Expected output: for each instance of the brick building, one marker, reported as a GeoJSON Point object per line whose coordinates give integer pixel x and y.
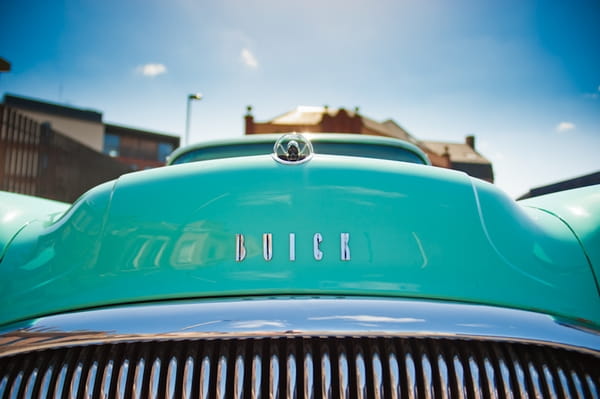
{"type": "Point", "coordinates": [458, 156]}
{"type": "Point", "coordinates": [138, 148]}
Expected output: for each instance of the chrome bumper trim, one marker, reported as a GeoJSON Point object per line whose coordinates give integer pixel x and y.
{"type": "Point", "coordinates": [289, 317]}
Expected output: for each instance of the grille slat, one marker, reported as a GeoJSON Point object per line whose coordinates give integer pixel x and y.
{"type": "Point", "coordinates": [205, 377]}
{"type": "Point", "coordinates": [378, 390]}
{"type": "Point", "coordinates": [326, 373]}
{"type": "Point", "coordinates": [343, 373]}
{"type": "Point", "coordinates": [394, 375]}
{"type": "Point", "coordinates": [308, 376]}
{"type": "Point", "coordinates": [14, 392]}
{"type": "Point", "coordinates": [31, 384]}
{"type": "Point", "coordinates": [442, 377]}
{"type": "Point", "coordinates": [410, 380]}
{"type": "Point", "coordinates": [459, 377]}
{"type": "Point", "coordinates": [303, 367]}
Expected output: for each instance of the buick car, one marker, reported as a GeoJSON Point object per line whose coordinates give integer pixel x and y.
{"type": "Point", "coordinates": [300, 266]}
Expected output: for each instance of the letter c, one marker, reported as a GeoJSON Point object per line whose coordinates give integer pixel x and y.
{"type": "Point", "coordinates": [317, 240]}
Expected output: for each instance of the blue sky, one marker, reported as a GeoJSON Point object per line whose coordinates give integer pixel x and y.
{"type": "Point", "coordinates": [522, 76]}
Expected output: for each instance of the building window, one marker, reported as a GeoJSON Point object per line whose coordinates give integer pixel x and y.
{"type": "Point", "coordinates": [112, 143]}
{"type": "Point", "coordinates": [164, 149]}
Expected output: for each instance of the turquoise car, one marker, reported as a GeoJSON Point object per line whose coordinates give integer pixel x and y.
{"type": "Point", "coordinates": [300, 266]}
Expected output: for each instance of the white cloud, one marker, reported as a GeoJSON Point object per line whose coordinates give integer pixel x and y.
{"type": "Point", "coordinates": [565, 126]}
{"type": "Point", "coordinates": [249, 59]}
{"type": "Point", "coordinates": [151, 70]}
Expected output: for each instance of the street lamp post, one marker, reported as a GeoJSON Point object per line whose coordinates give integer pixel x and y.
{"type": "Point", "coordinates": [190, 98]}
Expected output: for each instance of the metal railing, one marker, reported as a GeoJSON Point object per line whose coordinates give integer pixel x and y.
{"type": "Point", "coordinates": [37, 160]}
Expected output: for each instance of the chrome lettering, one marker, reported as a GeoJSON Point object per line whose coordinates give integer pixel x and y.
{"type": "Point", "coordinates": [268, 246]}
{"type": "Point", "coordinates": [317, 240]}
{"type": "Point", "coordinates": [292, 247]}
{"type": "Point", "coordinates": [344, 247]}
{"type": "Point", "coordinates": [240, 249]}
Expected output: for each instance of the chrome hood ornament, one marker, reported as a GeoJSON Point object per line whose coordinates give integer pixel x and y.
{"type": "Point", "coordinates": [292, 148]}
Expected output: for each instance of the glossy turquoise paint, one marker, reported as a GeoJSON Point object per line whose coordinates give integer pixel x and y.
{"type": "Point", "coordinates": [580, 209]}
{"type": "Point", "coordinates": [415, 231]}
{"type": "Point", "coordinates": [16, 210]}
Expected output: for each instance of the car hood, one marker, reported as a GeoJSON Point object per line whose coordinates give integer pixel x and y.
{"type": "Point", "coordinates": [410, 231]}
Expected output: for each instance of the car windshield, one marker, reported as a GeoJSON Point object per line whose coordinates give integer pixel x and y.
{"type": "Point", "coordinates": [329, 148]}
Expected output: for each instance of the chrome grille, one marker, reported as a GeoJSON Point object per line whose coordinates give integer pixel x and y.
{"type": "Point", "coordinates": [303, 367]}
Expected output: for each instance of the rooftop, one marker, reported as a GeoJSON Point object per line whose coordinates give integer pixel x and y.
{"type": "Point", "coordinates": [45, 107]}
{"type": "Point", "coordinates": [459, 152]}
{"type": "Point", "coordinates": [313, 115]}
{"type": "Point", "coordinates": [131, 131]}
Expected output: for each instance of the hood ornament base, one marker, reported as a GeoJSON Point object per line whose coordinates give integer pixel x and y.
{"type": "Point", "coordinates": [293, 148]}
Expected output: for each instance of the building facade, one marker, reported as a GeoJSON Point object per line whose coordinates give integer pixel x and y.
{"type": "Point", "coordinates": [82, 125]}
{"type": "Point", "coordinates": [39, 161]}
{"type": "Point", "coordinates": [458, 156]}
{"type": "Point", "coordinates": [136, 148]}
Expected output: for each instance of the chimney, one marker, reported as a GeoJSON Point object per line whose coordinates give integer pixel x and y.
{"type": "Point", "coordinates": [446, 156]}
{"type": "Point", "coordinates": [470, 140]}
{"type": "Point", "coordinates": [357, 121]}
{"type": "Point", "coordinates": [249, 120]}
